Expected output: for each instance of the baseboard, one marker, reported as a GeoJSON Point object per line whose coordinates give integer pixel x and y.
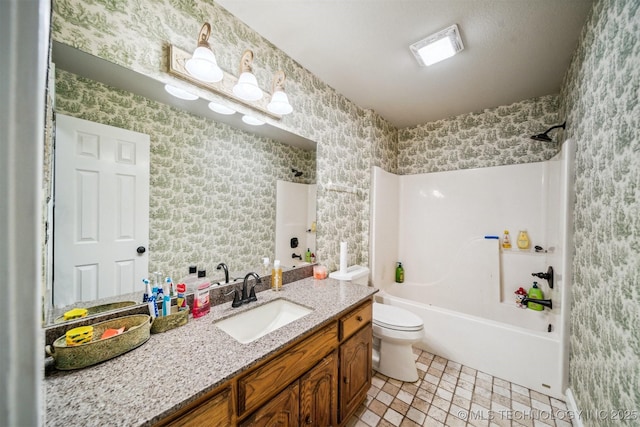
{"type": "Point", "coordinates": [572, 406]}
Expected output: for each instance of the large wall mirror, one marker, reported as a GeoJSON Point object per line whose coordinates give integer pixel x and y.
{"type": "Point", "coordinates": [212, 178]}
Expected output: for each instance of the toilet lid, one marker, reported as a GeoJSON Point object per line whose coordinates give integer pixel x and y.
{"type": "Point", "coordinates": [399, 319]}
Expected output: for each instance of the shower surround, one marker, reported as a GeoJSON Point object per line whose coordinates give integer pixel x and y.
{"type": "Point", "coordinates": [460, 282]}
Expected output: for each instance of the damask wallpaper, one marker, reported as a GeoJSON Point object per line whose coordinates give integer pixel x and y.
{"type": "Point", "coordinates": [493, 137]}
{"type": "Point", "coordinates": [212, 187]}
{"type": "Point", "coordinates": [600, 102]}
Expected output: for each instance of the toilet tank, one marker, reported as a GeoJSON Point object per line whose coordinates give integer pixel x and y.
{"type": "Point", "coordinates": [357, 274]}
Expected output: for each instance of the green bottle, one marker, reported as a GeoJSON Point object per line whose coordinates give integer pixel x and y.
{"type": "Point", "coordinates": [399, 273]}
{"type": "Point", "coordinates": [536, 293]}
{"type": "Point", "coordinates": [307, 255]}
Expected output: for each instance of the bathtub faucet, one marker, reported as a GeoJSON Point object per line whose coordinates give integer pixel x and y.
{"type": "Point", "coordinates": [544, 302]}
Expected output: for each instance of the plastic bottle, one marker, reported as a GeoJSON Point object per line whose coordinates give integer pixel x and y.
{"type": "Point", "coordinates": [265, 266]}
{"type": "Point", "coordinates": [276, 276]}
{"type": "Point", "coordinates": [506, 240]}
{"type": "Point", "coordinates": [399, 273]}
{"type": "Point", "coordinates": [201, 303]}
{"type": "Point", "coordinates": [536, 293]}
{"type": "Point", "coordinates": [523, 240]}
{"type": "Point", "coordinates": [307, 256]}
{"type": "Point", "coordinates": [181, 299]}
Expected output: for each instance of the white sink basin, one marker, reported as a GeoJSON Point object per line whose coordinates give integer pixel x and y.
{"type": "Point", "coordinates": [252, 324]}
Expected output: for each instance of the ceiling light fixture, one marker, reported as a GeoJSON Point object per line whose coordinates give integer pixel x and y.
{"type": "Point", "coordinates": [247, 87]}
{"type": "Point", "coordinates": [180, 93]}
{"type": "Point", "coordinates": [202, 65]}
{"type": "Point", "coordinates": [279, 101]}
{"type": "Point", "coordinates": [250, 120]}
{"type": "Point", "coordinates": [221, 109]}
{"type": "Point", "coordinates": [437, 47]}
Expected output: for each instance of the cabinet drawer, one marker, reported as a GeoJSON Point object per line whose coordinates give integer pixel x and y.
{"type": "Point", "coordinates": [216, 411]}
{"type": "Point", "coordinates": [259, 385]}
{"type": "Point", "coordinates": [356, 319]}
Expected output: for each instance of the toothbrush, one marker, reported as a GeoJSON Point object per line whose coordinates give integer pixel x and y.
{"type": "Point", "coordinates": [172, 292]}
{"type": "Point", "coordinates": [151, 302]}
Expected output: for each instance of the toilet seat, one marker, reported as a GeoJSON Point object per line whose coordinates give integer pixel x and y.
{"type": "Point", "coordinates": [395, 318]}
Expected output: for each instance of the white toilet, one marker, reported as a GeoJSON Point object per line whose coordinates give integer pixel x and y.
{"type": "Point", "coordinates": [395, 330]}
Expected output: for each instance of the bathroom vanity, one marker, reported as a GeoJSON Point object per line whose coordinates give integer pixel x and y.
{"type": "Point", "coordinates": [315, 370]}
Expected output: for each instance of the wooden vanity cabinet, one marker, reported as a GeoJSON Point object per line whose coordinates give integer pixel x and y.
{"type": "Point", "coordinates": [319, 380]}
{"type": "Point", "coordinates": [282, 410]}
{"type": "Point", "coordinates": [355, 371]}
{"type": "Point", "coordinates": [214, 410]}
{"type": "Point", "coordinates": [319, 393]}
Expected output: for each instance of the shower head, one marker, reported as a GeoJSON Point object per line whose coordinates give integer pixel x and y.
{"type": "Point", "coordinates": [296, 172]}
{"type": "Point", "coordinates": [544, 137]}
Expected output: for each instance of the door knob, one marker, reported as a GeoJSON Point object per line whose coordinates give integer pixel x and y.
{"type": "Point", "coordinates": [141, 249]}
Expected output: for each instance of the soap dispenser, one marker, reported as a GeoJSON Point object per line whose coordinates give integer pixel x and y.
{"type": "Point", "coordinates": [535, 293]}
{"type": "Point", "coordinates": [399, 273]}
{"type": "Point", "coordinates": [276, 276]}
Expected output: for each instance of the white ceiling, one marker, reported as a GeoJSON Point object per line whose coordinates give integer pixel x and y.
{"type": "Point", "coordinates": [514, 49]}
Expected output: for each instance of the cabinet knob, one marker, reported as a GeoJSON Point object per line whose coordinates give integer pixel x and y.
{"type": "Point", "coordinates": [308, 420]}
{"type": "Point", "coordinates": [345, 380]}
{"type": "Point", "coordinates": [359, 318]}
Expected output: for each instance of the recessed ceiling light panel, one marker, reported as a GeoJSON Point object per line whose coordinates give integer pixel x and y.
{"type": "Point", "coordinates": [437, 47]}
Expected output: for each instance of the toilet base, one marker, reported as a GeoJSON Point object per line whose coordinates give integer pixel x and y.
{"type": "Point", "coordinates": [395, 361]}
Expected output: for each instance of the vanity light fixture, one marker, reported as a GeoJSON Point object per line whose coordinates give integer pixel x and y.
{"type": "Point", "coordinates": [180, 93]}
{"type": "Point", "coordinates": [202, 65]}
{"type": "Point", "coordinates": [279, 101]}
{"type": "Point", "coordinates": [221, 109]}
{"type": "Point", "coordinates": [250, 120]}
{"type": "Point", "coordinates": [247, 86]}
{"type": "Point", "coordinates": [437, 47]}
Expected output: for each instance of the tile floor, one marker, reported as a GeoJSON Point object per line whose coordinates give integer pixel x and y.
{"type": "Point", "coordinates": [450, 394]}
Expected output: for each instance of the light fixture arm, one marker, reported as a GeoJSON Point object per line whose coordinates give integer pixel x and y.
{"type": "Point", "coordinates": [204, 34]}
{"type": "Point", "coordinates": [278, 81]}
{"type": "Point", "coordinates": [245, 61]}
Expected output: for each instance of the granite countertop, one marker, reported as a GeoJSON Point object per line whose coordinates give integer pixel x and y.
{"type": "Point", "coordinates": [176, 367]}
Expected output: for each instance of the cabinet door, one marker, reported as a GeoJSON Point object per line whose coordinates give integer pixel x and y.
{"type": "Point", "coordinates": [355, 370]}
{"type": "Point", "coordinates": [281, 411]}
{"type": "Point", "coordinates": [319, 394]}
{"type": "Point", "coordinates": [214, 412]}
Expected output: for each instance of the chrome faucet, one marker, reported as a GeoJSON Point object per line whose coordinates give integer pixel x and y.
{"type": "Point", "coordinates": [223, 266]}
{"type": "Point", "coordinates": [244, 299]}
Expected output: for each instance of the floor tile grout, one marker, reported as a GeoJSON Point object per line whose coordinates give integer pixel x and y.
{"type": "Point", "coordinates": [453, 395]}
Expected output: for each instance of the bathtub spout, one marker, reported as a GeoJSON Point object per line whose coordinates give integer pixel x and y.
{"type": "Point", "coordinates": [545, 302]}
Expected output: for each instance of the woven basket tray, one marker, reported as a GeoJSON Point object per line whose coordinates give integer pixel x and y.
{"type": "Point", "coordinates": [137, 332]}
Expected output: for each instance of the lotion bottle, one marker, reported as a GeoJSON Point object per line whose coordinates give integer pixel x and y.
{"type": "Point", "coordinates": [506, 240]}
{"type": "Point", "coordinates": [276, 276]}
{"type": "Point", "coordinates": [523, 240]}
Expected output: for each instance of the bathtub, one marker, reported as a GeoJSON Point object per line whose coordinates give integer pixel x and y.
{"type": "Point", "coordinates": [517, 348]}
